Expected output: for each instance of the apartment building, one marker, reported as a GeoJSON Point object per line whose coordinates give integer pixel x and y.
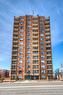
{"type": "Point", "coordinates": [4, 73]}
{"type": "Point", "coordinates": [31, 48]}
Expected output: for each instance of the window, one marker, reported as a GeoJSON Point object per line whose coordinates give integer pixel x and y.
{"type": "Point", "coordinates": [35, 57]}
{"type": "Point", "coordinates": [49, 71]}
{"type": "Point", "coordinates": [28, 56]}
{"type": "Point", "coordinates": [28, 66]}
{"type": "Point", "coordinates": [41, 39]}
{"type": "Point", "coordinates": [19, 77]}
{"type": "Point", "coordinates": [28, 47]}
{"type": "Point", "coordinates": [43, 71]}
{"type": "Point", "coordinates": [28, 30]}
{"type": "Point", "coordinates": [20, 57]}
{"type": "Point", "coordinates": [28, 43]}
{"type": "Point", "coordinates": [21, 43]}
{"type": "Point", "coordinates": [35, 61]}
{"type": "Point", "coordinates": [28, 61]}
{"type": "Point", "coordinates": [20, 71]}
{"type": "Point", "coordinates": [49, 62]}
{"type": "Point", "coordinates": [41, 27]}
{"type": "Point", "coordinates": [42, 56]}
{"type": "Point", "coordinates": [20, 52]}
{"type": "Point", "coordinates": [48, 48]}
{"type": "Point", "coordinates": [35, 39]}
{"type": "Point", "coordinates": [42, 53]}
{"type": "Point", "coordinates": [42, 61]}
{"type": "Point", "coordinates": [35, 30]}
{"type": "Point", "coordinates": [48, 40]}
{"type": "Point", "coordinates": [42, 48]}
{"type": "Point", "coordinates": [49, 66]}
{"type": "Point", "coordinates": [28, 34]}
{"type": "Point", "coordinates": [43, 66]}
{"type": "Point", "coordinates": [21, 22]}
{"type": "Point", "coordinates": [35, 52]}
{"type": "Point", "coordinates": [28, 71]}
{"type": "Point", "coordinates": [20, 48]}
{"type": "Point", "coordinates": [13, 62]}
{"type": "Point", "coordinates": [28, 22]}
{"type": "Point", "coordinates": [20, 61]}
{"type": "Point", "coordinates": [21, 31]}
{"type": "Point", "coordinates": [42, 30]}
{"type": "Point", "coordinates": [35, 71]}
{"type": "Point", "coordinates": [28, 38]}
{"type": "Point", "coordinates": [21, 18]}
{"type": "Point", "coordinates": [35, 66]}
{"type": "Point", "coordinates": [28, 18]}
{"type": "Point", "coordinates": [21, 39]}
{"type": "Point", "coordinates": [41, 34]}
{"type": "Point", "coordinates": [28, 52]}
{"type": "Point", "coordinates": [28, 26]}
{"type": "Point", "coordinates": [48, 57]}
{"type": "Point", "coordinates": [35, 47]}
{"type": "Point", "coordinates": [35, 34]}
{"type": "Point", "coordinates": [41, 43]}
{"type": "Point", "coordinates": [35, 42]}
{"type": "Point", "coordinates": [13, 72]}
{"type": "Point", "coordinates": [49, 77]}
{"type": "Point", "coordinates": [21, 27]}
{"type": "Point", "coordinates": [19, 67]}
{"type": "Point", "coordinates": [48, 52]}
{"type": "Point", "coordinates": [21, 34]}
{"type": "Point", "coordinates": [13, 66]}
{"type": "Point", "coordinates": [48, 44]}
{"type": "Point", "coordinates": [43, 77]}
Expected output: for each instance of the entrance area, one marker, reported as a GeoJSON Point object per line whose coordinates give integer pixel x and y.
{"type": "Point", "coordinates": [30, 77]}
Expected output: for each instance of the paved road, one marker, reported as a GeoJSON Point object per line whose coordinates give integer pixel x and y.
{"type": "Point", "coordinates": [32, 88]}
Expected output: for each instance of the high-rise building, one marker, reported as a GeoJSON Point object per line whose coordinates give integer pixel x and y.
{"type": "Point", "coordinates": [31, 49]}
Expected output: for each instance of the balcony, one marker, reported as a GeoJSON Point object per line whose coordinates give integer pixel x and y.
{"type": "Point", "coordinates": [35, 21]}
{"type": "Point", "coordinates": [49, 69]}
{"type": "Point", "coordinates": [47, 29]}
{"type": "Point", "coordinates": [35, 41]}
{"type": "Point", "coordinates": [14, 59]}
{"type": "Point", "coordinates": [48, 45]}
{"type": "Point", "coordinates": [16, 22]}
{"type": "Point", "coordinates": [47, 22]}
{"type": "Point", "coordinates": [49, 64]}
{"type": "Point", "coordinates": [35, 24]}
{"type": "Point", "coordinates": [34, 45]}
{"type": "Point", "coordinates": [35, 36]}
{"type": "Point", "coordinates": [35, 28]}
{"type": "Point", "coordinates": [14, 50]}
{"type": "Point", "coordinates": [49, 59]}
{"type": "Point", "coordinates": [47, 26]}
{"type": "Point", "coordinates": [15, 41]}
{"type": "Point", "coordinates": [15, 33]}
{"type": "Point", "coordinates": [47, 34]}
{"type": "Point", "coordinates": [47, 37]}
{"type": "Point", "coordinates": [14, 55]}
{"type": "Point", "coordinates": [16, 26]}
{"type": "Point", "coordinates": [15, 29]}
{"type": "Point", "coordinates": [15, 38]}
{"type": "Point", "coordinates": [48, 54]}
{"type": "Point", "coordinates": [48, 41]}
{"type": "Point", "coordinates": [15, 45]}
